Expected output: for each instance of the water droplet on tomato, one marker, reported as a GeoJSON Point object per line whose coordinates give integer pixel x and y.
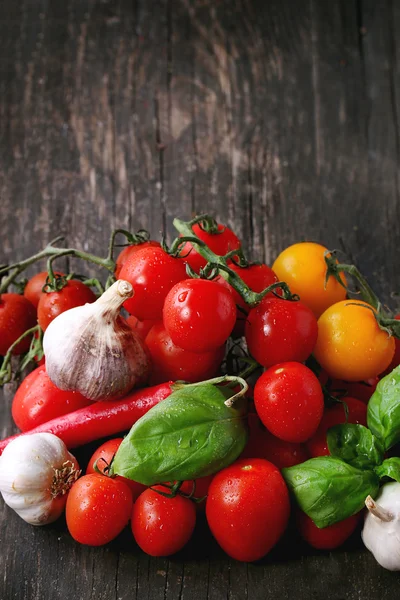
{"type": "Point", "coordinates": [182, 297]}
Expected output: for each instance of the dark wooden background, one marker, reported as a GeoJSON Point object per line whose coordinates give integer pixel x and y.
{"type": "Point", "coordinates": [281, 118]}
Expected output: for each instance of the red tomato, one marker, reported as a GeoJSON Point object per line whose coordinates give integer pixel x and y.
{"type": "Point", "coordinates": [104, 455]}
{"type": "Point", "coordinates": [51, 304]}
{"type": "Point", "coordinates": [161, 526]}
{"type": "Point", "coordinates": [317, 445]}
{"type": "Point", "coordinates": [257, 278]}
{"type": "Point", "coordinates": [199, 315]}
{"type": "Point", "coordinates": [33, 289]}
{"type": "Point", "coordinates": [289, 401]}
{"type": "Point", "coordinates": [152, 272]}
{"type": "Point", "coordinates": [127, 253]}
{"type": "Point", "coordinates": [200, 486]}
{"type": "Point", "coordinates": [142, 328]}
{"type": "Point", "coordinates": [38, 400]}
{"type": "Point", "coordinates": [17, 315]}
{"type": "Point", "coordinates": [171, 363]}
{"type": "Point", "coordinates": [262, 444]}
{"type": "Point", "coordinates": [220, 243]}
{"type": "Point", "coordinates": [280, 330]}
{"type": "Point", "coordinates": [248, 508]}
{"type": "Point", "coordinates": [98, 509]}
{"type": "Point", "coordinates": [328, 538]}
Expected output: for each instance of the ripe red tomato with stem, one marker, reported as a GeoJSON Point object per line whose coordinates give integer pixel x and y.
{"type": "Point", "coordinates": [162, 526]}
{"type": "Point", "coordinates": [220, 243]}
{"type": "Point", "coordinates": [169, 362]}
{"type": "Point", "coordinates": [199, 488]}
{"type": "Point", "coordinates": [317, 445]}
{"type": "Point", "coordinates": [328, 538]}
{"type": "Point", "coordinates": [51, 304]}
{"type": "Point", "coordinates": [142, 328]}
{"type": "Point", "coordinates": [102, 458]}
{"type": "Point", "coordinates": [38, 400]}
{"type": "Point", "coordinates": [289, 401]}
{"type": "Point", "coordinates": [199, 315]}
{"type": "Point", "coordinates": [98, 508]}
{"type": "Point", "coordinates": [262, 444]}
{"type": "Point", "coordinates": [152, 273]}
{"type": "Point", "coordinates": [33, 289]}
{"type": "Point", "coordinates": [248, 508]}
{"type": "Point", "coordinates": [127, 253]}
{"type": "Point", "coordinates": [280, 330]}
{"type": "Point", "coordinates": [17, 315]}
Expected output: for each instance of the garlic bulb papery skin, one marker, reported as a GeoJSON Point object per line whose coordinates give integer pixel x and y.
{"type": "Point", "coordinates": [36, 473]}
{"type": "Point", "coordinates": [381, 532]}
{"type": "Point", "coordinates": [92, 350]}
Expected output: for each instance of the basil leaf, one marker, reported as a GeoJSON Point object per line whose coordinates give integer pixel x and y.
{"type": "Point", "coordinates": [190, 434]}
{"type": "Point", "coordinates": [355, 444]}
{"type": "Point", "coordinates": [328, 489]}
{"type": "Point", "coordinates": [383, 414]}
{"type": "Point", "coordinates": [389, 468]}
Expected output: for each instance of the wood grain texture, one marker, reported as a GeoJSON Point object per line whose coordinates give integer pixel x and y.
{"type": "Point", "coordinates": [282, 119]}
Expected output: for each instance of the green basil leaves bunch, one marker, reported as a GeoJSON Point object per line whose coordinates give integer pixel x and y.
{"type": "Point", "coordinates": [331, 488]}
{"type": "Point", "coordinates": [198, 430]}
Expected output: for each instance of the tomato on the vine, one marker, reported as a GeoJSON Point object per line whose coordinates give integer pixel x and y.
{"type": "Point", "coordinates": [103, 456]}
{"type": "Point", "coordinates": [51, 304]}
{"type": "Point", "coordinates": [280, 330]}
{"type": "Point", "coordinates": [220, 243]}
{"type": "Point", "coordinates": [302, 266]}
{"type": "Point", "coordinates": [351, 345]}
{"type": "Point", "coordinates": [38, 400]}
{"type": "Point", "coordinates": [162, 526]}
{"type": "Point", "coordinates": [33, 289]}
{"type": "Point", "coordinates": [328, 538]}
{"type": "Point", "coordinates": [248, 508]}
{"type": "Point", "coordinates": [17, 315]}
{"type": "Point", "coordinates": [127, 253]}
{"type": "Point", "coordinates": [199, 488]}
{"type": "Point", "coordinates": [317, 445]}
{"type": "Point", "coordinates": [173, 363]}
{"type": "Point", "coordinates": [98, 508]}
{"type": "Point", "coordinates": [199, 315]}
{"type": "Point", "coordinates": [289, 401]}
{"type": "Point", "coordinates": [152, 273]}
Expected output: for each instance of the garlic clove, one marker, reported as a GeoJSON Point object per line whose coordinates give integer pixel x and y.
{"type": "Point", "coordinates": [91, 349]}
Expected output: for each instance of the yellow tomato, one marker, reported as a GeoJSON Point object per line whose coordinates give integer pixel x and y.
{"type": "Point", "coordinates": [303, 268]}
{"type": "Point", "coordinates": [350, 343]}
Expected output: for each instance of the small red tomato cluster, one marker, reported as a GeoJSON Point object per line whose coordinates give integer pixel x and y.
{"type": "Point", "coordinates": [297, 327]}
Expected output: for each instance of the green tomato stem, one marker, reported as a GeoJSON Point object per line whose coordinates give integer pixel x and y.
{"type": "Point", "coordinates": [5, 370]}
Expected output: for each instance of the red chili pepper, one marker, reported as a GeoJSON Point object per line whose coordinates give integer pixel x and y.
{"type": "Point", "coordinates": [101, 418]}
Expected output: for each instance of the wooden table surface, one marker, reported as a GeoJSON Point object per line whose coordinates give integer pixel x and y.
{"type": "Point", "coordinates": [279, 117]}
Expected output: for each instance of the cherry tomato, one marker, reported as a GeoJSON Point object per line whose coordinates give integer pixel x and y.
{"type": "Point", "coordinates": [103, 457]}
{"type": "Point", "coordinates": [127, 253]}
{"type": "Point", "coordinates": [142, 328]}
{"type": "Point", "coordinates": [302, 266]}
{"type": "Point", "coordinates": [161, 526]}
{"type": "Point", "coordinates": [51, 304]}
{"type": "Point", "coordinates": [396, 356]}
{"type": "Point", "coordinates": [33, 289]}
{"type": "Point", "coordinates": [262, 444]}
{"type": "Point", "coordinates": [220, 243]}
{"type": "Point", "coordinates": [98, 508]}
{"type": "Point", "coordinates": [152, 272]}
{"type": "Point", "coordinates": [171, 363]}
{"type": "Point", "coordinates": [318, 445]}
{"type": "Point", "coordinates": [257, 278]}
{"type": "Point", "coordinates": [289, 401]}
{"type": "Point", "coordinates": [279, 331]}
{"type": "Point", "coordinates": [248, 508]}
{"type": "Point", "coordinates": [17, 315]}
{"type": "Point", "coordinates": [350, 344]}
{"type": "Point", "coordinates": [328, 538]}
{"type": "Point", "coordinates": [38, 400]}
{"type": "Point", "coordinates": [199, 315]}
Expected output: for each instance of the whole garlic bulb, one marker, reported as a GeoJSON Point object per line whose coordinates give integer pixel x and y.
{"type": "Point", "coordinates": [381, 532]}
{"type": "Point", "coordinates": [91, 349]}
{"type": "Point", "coordinates": [36, 473]}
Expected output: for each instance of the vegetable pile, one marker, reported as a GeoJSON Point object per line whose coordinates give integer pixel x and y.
{"type": "Point", "coordinates": [223, 387]}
